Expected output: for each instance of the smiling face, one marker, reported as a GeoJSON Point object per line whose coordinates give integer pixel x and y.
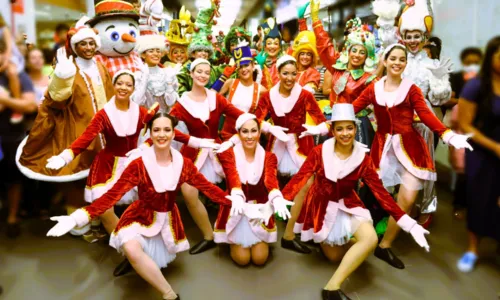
{"type": "Point", "coordinates": [395, 62]}
{"type": "Point", "coordinates": [201, 75]}
{"type": "Point", "coordinates": [305, 59]}
{"type": "Point", "coordinates": [245, 72]}
{"type": "Point", "coordinates": [162, 133]}
{"type": "Point", "coordinates": [249, 134]}
{"type": "Point", "coordinates": [272, 47]}
{"type": "Point", "coordinates": [86, 48]}
{"type": "Point", "coordinates": [152, 57]}
{"type": "Point", "coordinates": [124, 87]}
{"type": "Point", "coordinates": [414, 40]}
{"type": "Point", "coordinates": [179, 55]}
{"type": "Point", "coordinates": [35, 60]}
{"type": "Point", "coordinates": [287, 75]}
{"type": "Point", "coordinates": [201, 54]}
{"type": "Point", "coordinates": [117, 36]}
{"type": "Point", "coordinates": [357, 57]}
{"type": "Point", "coordinates": [344, 132]}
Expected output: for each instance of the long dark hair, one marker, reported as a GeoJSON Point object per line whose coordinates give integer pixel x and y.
{"type": "Point", "coordinates": [485, 117]}
{"type": "Point", "coordinates": [162, 115]}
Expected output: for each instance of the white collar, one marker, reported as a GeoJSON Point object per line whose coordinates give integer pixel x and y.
{"type": "Point", "coordinates": [330, 160]}
{"type": "Point", "coordinates": [402, 91]}
{"type": "Point", "coordinates": [122, 130]}
{"type": "Point", "coordinates": [282, 105]}
{"type": "Point", "coordinates": [162, 184]}
{"type": "Point", "coordinates": [211, 97]}
{"type": "Point", "coordinates": [242, 165]}
{"type": "Point", "coordinates": [85, 64]}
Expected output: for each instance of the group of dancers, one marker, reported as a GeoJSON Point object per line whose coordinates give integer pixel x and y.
{"type": "Point", "coordinates": [148, 143]}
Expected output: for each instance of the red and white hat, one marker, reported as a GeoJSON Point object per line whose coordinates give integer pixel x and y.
{"type": "Point", "coordinates": [81, 32]}
{"type": "Point", "coordinates": [150, 16]}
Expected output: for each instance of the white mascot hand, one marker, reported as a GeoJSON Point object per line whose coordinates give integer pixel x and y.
{"type": "Point", "coordinates": [55, 162]}
{"type": "Point", "coordinates": [63, 226]}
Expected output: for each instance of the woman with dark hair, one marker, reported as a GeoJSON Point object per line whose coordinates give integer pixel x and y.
{"type": "Point", "coordinates": [398, 151]}
{"type": "Point", "coordinates": [150, 232]}
{"type": "Point", "coordinates": [433, 47]}
{"type": "Point", "coordinates": [479, 115]}
{"type": "Point", "coordinates": [35, 62]}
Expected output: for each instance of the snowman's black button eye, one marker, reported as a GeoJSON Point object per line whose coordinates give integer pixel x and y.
{"type": "Point", "coordinates": [132, 33]}
{"type": "Point", "coordinates": [115, 36]}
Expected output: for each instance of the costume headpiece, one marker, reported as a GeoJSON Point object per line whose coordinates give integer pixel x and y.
{"type": "Point", "coordinates": [124, 71]}
{"type": "Point", "coordinates": [197, 62]}
{"type": "Point", "coordinates": [150, 38]}
{"type": "Point", "coordinates": [202, 37]}
{"type": "Point", "coordinates": [180, 30]}
{"type": "Point", "coordinates": [417, 15]}
{"type": "Point", "coordinates": [243, 118]}
{"type": "Point", "coordinates": [81, 32]}
{"type": "Point", "coordinates": [234, 36]}
{"type": "Point", "coordinates": [343, 112]}
{"type": "Point", "coordinates": [113, 8]}
{"type": "Point", "coordinates": [305, 41]}
{"type": "Point", "coordinates": [270, 29]}
{"type": "Point", "coordinates": [242, 54]}
{"type": "Point", "coordinates": [285, 58]}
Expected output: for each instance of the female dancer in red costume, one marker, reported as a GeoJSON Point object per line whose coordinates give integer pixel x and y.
{"type": "Point", "coordinates": [399, 152]}
{"type": "Point", "coordinates": [150, 232]}
{"type": "Point", "coordinates": [333, 212]}
{"type": "Point", "coordinates": [257, 170]}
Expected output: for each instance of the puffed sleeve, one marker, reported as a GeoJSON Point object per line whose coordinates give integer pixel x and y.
{"type": "Point", "coordinates": [196, 179]}
{"type": "Point", "coordinates": [271, 176]}
{"type": "Point", "coordinates": [310, 166]}
{"type": "Point", "coordinates": [263, 107]}
{"type": "Point", "coordinates": [228, 163]}
{"type": "Point", "coordinates": [370, 176]}
{"type": "Point", "coordinates": [366, 98]}
{"type": "Point", "coordinates": [95, 127]}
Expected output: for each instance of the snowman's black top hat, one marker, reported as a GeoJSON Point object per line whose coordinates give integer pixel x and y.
{"type": "Point", "coordinates": [113, 8]}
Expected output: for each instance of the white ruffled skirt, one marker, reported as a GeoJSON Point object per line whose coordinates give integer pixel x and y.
{"type": "Point", "coordinates": [344, 228]}
{"type": "Point", "coordinates": [208, 170]}
{"type": "Point", "coordinates": [287, 166]}
{"type": "Point", "coordinates": [393, 173]}
{"type": "Point", "coordinates": [243, 235]}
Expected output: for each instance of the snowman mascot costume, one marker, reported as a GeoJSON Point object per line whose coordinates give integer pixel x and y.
{"type": "Point", "coordinates": [118, 28]}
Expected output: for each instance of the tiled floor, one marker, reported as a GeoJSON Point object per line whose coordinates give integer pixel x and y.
{"type": "Point", "coordinates": [36, 267]}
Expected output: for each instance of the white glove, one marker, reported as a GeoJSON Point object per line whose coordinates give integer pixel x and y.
{"type": "Point", "coordinates": [253, 213]}
{"type": "Point", "coordinates": [459, 141]}
{"type": "Point", "coordinates": [267, 211]}
{"type": "Point", "coordinates": [237, 205]}
{"type": "Point", "coordinates": [63, 226]}
{"type": "Point", "coordinates": [280, 207]}
{"type": "Point", "coordinates": [418, 233]}
{"type": "Point", "coordinates": [445, 66]}
{"type": "Point", "coordinates": [225, 146]}
{"type": "Point", "coordinates": [314, 130]}
{"type": "Point", "coordinates": [279, 133]}
{"type": "Point", "coordinates": [197, 143]}
{"type": "Point", "coordinates": [55, 163]}
{"type": "Point", "coordinates": [65, 67]}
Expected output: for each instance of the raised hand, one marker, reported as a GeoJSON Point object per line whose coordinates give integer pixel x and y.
{"type": "Point", "coordinates": [315, 10]}
{"type": "Point", "coordinates": [65, 67]}
{"type": "Point", "coordinates": [445, 66]}
{"type": "Point", "coordinates": [63, 226]}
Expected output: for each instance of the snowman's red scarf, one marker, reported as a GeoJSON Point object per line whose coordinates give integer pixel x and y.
{"type": "Point", "coordinates": [115, 64]}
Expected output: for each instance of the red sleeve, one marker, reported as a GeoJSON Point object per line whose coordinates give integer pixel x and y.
{"type": "Point", "coordinates": [326, 50]}
{"type": "Point", "coordinates": [366, 98]}
{"type": "Point", "coordinates": [95, 127]}
{"type": "Point", "coordinates": [227, 108]}
{"type": "Point", "coordinates": [424, 113]}
{"type": "Point", "coordinates": [181, 137]}
{"type": "Point", "coordinates": [176, 111]}
{"type": "Point", "coordinates": [263, 107]}
{"type": "Point", "coordinates": [371, 178]}
{"type": "Point", "coordinates": [313, 76]}
{"type": "Point", "coordinates": [228, 163]}
{"type": "Point", "coordinates": [302, 24]}
{"type": "Point", "coordinates": [310, 166]}
{"type": "Point", "coordinates": [313, 109]}
{"type": "Point", "coordinates": [127, 181]}
{"type": "Point", "coordinates": [271, 172]}
{"type": "Point", "coordinates": [197, 180]}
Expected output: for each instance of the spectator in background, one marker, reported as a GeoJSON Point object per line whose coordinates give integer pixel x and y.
{"type": "Point", "coordinates": [35, 63]}
{"type": "Point", "coordinates": [471, 59]}
{"type": "Point", "coordinates": [433, 47]}
{"type": "Point", "coordinates": [48, 57]}
{"type": "Point", "coordinates": [479, 115]}
{"type": "Point", "coordinates": [12, 135]}
{"type": "Point", "coordinates": [60, 36]}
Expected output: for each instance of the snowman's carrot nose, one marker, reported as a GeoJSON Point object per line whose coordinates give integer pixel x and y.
{"type": "Point", "coordinates": [127, 38]}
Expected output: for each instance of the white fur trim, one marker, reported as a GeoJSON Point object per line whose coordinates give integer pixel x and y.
{"type": "Point", "coordinates": [330, 159]}
{"type": "Point", "coordinates": [194, 142]}
{"type": "Point", "coordinates": [150, 41]}
{"type": "Point", "coordinates": [406, 223]}
{"type": "Point", "coordinates": [85, 33]}
{"type": "Point", "coordinates": [276, 193]}
{"type": "Point", "coordinates": [243, 118]}
{"type": "Point", "coordinates": [162, 184]}
{"type": "Point", "coordinates": [242, 165]}
{"type": "Point", "coordinates": [283, 59]}
{"type": "Point", "coordinates": [282, 105]}
{"type": "Point", "coordinates": [123, 130]}
{"type": "Point", "coordinates": [81, 217]}
{"type": "Point", "coordinates": [197, 62]}
{"type": "Point", "coordinates": [237, 192]}
{"type": "Point", "coordinates": [42, 177]}
{"type": "Point", "coordinates": [402, 91]}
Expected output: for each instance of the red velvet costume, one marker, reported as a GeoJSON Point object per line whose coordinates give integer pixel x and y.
{"type": "Point", "coordinates": [259, 187]}
{"type": "Point", "coordinates": [241, 101]}
{"type": "Point", "coordinates": [327, 197]}
{"type": "Point", "coordinates": [155, 213]}
{"type": "Point", "coordinates": [109, 163]}
{"type": "Point", "coordinates": [293, 120]}
{"type": "Point", "coordinates": [310, 75]}
{"type": "Point", "coordinates": [357, 80]}
{"type": "Point", "coordinates": [218, 106]}
{"type": "Point", "coordinates": [395, 127]}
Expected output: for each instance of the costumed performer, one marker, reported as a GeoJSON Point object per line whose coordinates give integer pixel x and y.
{"type": "Point", "coordinates": [399, 152]}
{"type": "Point", "coordinates": [333, 214]}
{"type": "Point", "coordinates": [179, 36]}
{"type": "Point", "coordinates": [270, 54]}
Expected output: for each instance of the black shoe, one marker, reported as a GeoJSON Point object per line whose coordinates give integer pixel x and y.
{"type": "Point", "coordinates": [202, 246]}
{"type": "Point", "coordinates": [1, 290]}
{"type": "Point", "coordinates": [334, 295]}
{"type": "Point", "coordinates": [389, 257]}
{"type": "Point", "coordinates": [295, 245]}
{"type": "Point", "coordinates": [123, 268]}
{"type": "Point", "coordinates": [13, 230]}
